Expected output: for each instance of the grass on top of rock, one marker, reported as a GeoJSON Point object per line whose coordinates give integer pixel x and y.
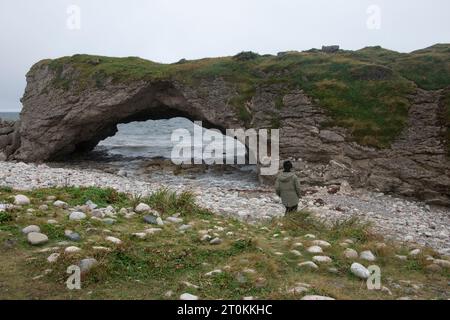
{"type": "Point", "coordinates": [366, 91]}
{"type": "Point", "coordinates": [259, 260]}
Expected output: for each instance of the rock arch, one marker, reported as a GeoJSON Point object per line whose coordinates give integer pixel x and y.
{"type": "Point", "coordinates": [58, 120]}
{"type": "Point", "coordinates": [59, 123]}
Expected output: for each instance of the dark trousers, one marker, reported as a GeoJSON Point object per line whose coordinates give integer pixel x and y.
{"type": "Point", "coordinates": [291, 209]}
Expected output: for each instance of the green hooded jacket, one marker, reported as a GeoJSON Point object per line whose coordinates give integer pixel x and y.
{"type": "Point", "coordinates": [287, 188]}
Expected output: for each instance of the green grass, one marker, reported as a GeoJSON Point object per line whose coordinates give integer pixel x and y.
{"type": "Point", "coordinates": [365, 91]}
{"type": "Point", "coordinates": [147, 269]}
{"type": "Point", "coordinates": [79, 196]}
{"type": "Point", "coordinates": [5, 217]}
{"type": "Point", "coordinates": [169, 202]}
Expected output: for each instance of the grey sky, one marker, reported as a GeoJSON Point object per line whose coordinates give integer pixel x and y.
{"type": "Point", "coordinates": [168, 30]}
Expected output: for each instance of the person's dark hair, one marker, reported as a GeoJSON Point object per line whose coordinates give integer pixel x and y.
{"type": "Point", "coordinates": [287, 166]}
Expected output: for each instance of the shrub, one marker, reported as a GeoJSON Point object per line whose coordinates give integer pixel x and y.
{"type": "Point", "coordinates": [5, 217]}
{"type": "Point", "coordinates": [246, 56]}
{"type": "Point", "coordinates": [170, 202]}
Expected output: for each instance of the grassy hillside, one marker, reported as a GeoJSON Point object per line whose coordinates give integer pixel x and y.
{"type": "Point", "coordinates": [261, 261]}
{"type": "Point", "coordinates": [366, 91]}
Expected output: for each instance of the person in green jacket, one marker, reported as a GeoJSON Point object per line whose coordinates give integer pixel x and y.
{"type": "Point", "coordinates": [287, 188]}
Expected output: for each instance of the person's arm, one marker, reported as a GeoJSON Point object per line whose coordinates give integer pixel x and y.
{"type": "Point", "coordinates": [297, 186]}
{"type": "Point", "coordinates": [277, 187]}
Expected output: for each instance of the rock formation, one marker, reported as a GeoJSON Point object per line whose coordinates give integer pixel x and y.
{"type": "Point", "coordinates": [63, 117]}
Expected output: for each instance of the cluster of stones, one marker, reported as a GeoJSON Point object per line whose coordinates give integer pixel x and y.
{"type": "Point", "coordinates": [312, 246]}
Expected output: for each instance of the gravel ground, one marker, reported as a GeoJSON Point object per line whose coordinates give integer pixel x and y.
{"type": "Point", "coordinates": [395, 218]}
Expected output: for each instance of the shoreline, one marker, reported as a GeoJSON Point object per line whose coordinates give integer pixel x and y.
{"type": "Point", "coordinates": [396, 218]}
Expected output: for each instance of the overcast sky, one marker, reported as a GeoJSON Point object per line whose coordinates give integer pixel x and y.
{"type": "Point", "coordinates": [168, 30]}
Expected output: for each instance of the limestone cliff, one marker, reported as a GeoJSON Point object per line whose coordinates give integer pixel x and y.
{"type": "Point", "coordinates": [358, 116]}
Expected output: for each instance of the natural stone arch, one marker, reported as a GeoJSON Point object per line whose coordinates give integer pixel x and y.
{"type": "Point", "coordinates": [67, 109]}
{"type": "Point", "coordinates": [80, 122]}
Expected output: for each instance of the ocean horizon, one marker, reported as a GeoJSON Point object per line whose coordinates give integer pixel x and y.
{"type": "Point", "coordinates": [9, 115]}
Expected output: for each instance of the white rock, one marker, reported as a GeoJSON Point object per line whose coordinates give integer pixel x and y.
{"type": "Point", "coordinates": [152, 230]}
{"type": "Point", "coordinates": [185, 227]}
{"type": "Point", "coordinates": [159, 221]}
{"type": "Point", "coordinates": [296, 252]}
{"type": "Point", "coordinates": [333, 270]}
{"type": "Point", "coordinates": [168, 294]}
{"type": "Point", "coordinates": [386, 290]}
{"type": "Point", "coordinates": [415, 252]}
{"type": "Point", "coordinates": [113, 240]}
{"type": "Point", "coordinates": [315, 249]}
{"type": "Point", "coordinates": [250, 271]}
{"type": "Point", "coordinates": [174, 219]}
{"type": "Point", "coordinates": [101, 249]}
{"type": "Point", "coordinates": [321, 243]}
{"type": "Point", "coordinates": [214, 272]}
{"type": "Point", "coordinates": [91, 205]}
{"type": "Point", "coordinates": [72, 249]}
{"type": "Point", "coordinates": [60, 204]}
{"type": "Point", "coordinates": [351, 254]}
{"type": "Point", "coordinates": [140, 235]}
{"type": "Point", "coordinates": [190, 285]}
{"type": "Point", "coordinates": [367, 255]}
{"type": "Point", "coordinates": [316, 298]}
{"type": "Point", "coordinates": [216, 241]}
{"type": "Point", "coordinates": [77, 216]}
{"type": "Point", "coordinates": [45, 250]}
{"type": "Point", "coordinates": [21, 200]}
{"type": "Point", "coordinates": [206, 237]}
{"type": "Point", "coordinates": [310, 236]}
{"type": "Point", "coordinates": [309, 264]}
{"type": "Point", "coordinates": [322, 259]}
{"type": "Point", "coordinates": [299, 288]}
{"type": "Point", "coordinates": [36, 238]}
{"type": "Point", "coordinates": [87, 264]}
{"type": "Point", "coordinates": [142, 208]}
{"type": "Point", "coordinates": [442, 263]}
{"type": "Point", "coordinates": [53, 257]}
{"type": "Point", "coordinates": [403, 258]}
{"type": "Point", "coordinates": [188, 296]}
{"type": "Point", "coordinates": [360, 271]}
{"type": "Point", "coordinates": [31, 228]}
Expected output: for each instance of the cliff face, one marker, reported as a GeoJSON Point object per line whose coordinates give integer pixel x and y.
{"type": "Point", "coordinates": [394, 141]}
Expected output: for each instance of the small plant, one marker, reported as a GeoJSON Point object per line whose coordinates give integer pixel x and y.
{"type": "Point", "coordinates": [170, 202]}
{"type": "Point", "coordinates": [53, 232]}
{"type": "Point", "coordinates": [5, 217]}
{"type": "Point", "coordinates": [6, 189]}
{"type": "Point", "coordinates": [304, 221]}
{"type": "Point", "coordinates": [135, 200]}
{"type": "Point", "coordinates": [352, 228]}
